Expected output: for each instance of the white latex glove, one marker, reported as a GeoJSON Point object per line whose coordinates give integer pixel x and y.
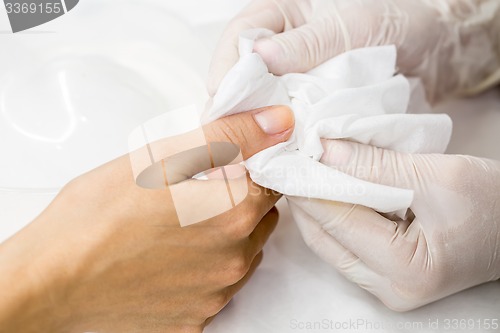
{"type": "Point", "coordinates": [452, 45]}
{"type": "Point", "coordinates": [450, 241]}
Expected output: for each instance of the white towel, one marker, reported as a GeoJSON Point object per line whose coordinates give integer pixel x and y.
{"type": "Point", "coordinates": [354, 96]}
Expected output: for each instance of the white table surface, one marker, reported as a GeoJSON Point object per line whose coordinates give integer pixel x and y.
{"type": "Point", "coordinates": [292, 286]}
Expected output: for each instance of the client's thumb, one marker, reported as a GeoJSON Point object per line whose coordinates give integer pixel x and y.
{"type": "Point", "coordinates": [253, 131]}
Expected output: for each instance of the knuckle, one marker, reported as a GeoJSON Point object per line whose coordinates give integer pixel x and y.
{"type": "Point", "coordinates": [237, 268]}
{"type": "Point", "coordinates": [216, 303]}
{"type": "Point", "coordinates": [461, 167]}
{"type": "Point", "coordinates": [242, 225]}
{"type": "Point", "coordinates": [74, 190]}
{"type": "Point", "coordinates": [436, 284]}
{"type": "Point", "coordinates": [220, 131]}
{"type": "Point", "coordinates": [458, 167]}
{"type": "Point", "coordinates": [347, 261]}
{"type": "Point", "coordinates": [398, 305]}
{"type": "Point", "coordinates": [413, 295]}
{"type": "Point", "coordinates": [404, 299]}
{"type": "Point", "coordinates": [73, 186]}
{"type": "Point", "coordinates": [232, 129]}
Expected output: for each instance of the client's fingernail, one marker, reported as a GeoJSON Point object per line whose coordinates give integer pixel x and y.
{"type": "Point", "coordinates": [275, 120]}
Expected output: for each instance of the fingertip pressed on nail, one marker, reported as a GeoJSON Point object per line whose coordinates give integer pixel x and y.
{"type": "Point", "coordinates": [337, 153]}
{"type": "Point", "coordinates": [271, 52]}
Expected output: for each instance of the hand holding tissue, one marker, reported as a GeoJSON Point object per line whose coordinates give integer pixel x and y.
{"type": "Point", "coordinates": [355, 96]}
{"type": "Point", "coordinates": [365, 179]}
{"type": "Point", "coordinates": [453, 46]}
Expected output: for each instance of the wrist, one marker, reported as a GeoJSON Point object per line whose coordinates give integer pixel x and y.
{"type": "Point", "coordinates": [32, 282]}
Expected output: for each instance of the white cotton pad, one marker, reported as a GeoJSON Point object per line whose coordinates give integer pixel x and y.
{"type": "Point", "coordinates": [354, 96]}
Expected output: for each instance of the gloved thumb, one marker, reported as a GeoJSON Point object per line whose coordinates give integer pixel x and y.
{"type": "Point", "coordinates": [303, 48]}
{"type": "Point", "coordinates": [253, 131]}
{"type": "Point", "coordinates": [372, 164]}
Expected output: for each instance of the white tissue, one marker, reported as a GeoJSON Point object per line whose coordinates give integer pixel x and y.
{"type": "Point", "coordinates": [354, 96]}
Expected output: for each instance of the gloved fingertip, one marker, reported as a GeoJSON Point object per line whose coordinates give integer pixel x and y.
{"type": "Point", "coordinates": [272, 53]}
{"type": "Point", "coordinates": [338, 153]}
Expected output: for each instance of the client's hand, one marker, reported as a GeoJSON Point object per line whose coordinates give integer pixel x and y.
{"type": "Point", "coordinates": [110, 256]}
{"type": "Point", "coordinates": [449, 242]}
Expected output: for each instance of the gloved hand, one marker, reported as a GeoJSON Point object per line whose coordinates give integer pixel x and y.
{"type": "Point", "coordinates": [452, 45]}
{"type": "Point", "coordinates": [449, 241]}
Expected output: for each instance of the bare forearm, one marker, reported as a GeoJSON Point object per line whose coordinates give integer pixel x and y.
{"type": "Point", "coordinates": [30, 298]}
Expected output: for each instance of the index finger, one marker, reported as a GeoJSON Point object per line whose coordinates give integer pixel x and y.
{"type": "Point", "coordinates": [238, 214]}
{"type": "Point", "coordinates": [382, 244]}
{"type": "Point", "coordinates": [258, 14]}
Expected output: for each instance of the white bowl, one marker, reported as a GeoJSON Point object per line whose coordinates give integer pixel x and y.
{"type": "Point", "coordinates": [70, 104]}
